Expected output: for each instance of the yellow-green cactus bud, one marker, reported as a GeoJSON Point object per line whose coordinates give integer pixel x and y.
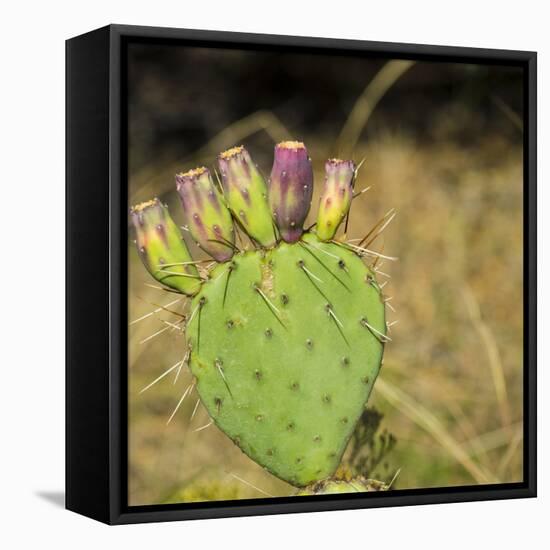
{"type": "Point", "coordinates": [162, 248]}
{"type": "Point", "coordinates": [245, 192]}
{"type": "Point", "coordinates": [336, 197]}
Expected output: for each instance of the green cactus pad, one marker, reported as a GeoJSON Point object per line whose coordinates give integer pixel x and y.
{"type": "Point", "coordinates": [286, 346]}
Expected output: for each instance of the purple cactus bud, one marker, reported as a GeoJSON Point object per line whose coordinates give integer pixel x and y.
{"type": "Point", "coordinates": [290, 189]}
{"type": "Point", "coordinates": [207, 217]}
{"type": "Point", "coordinates": [336, 198]}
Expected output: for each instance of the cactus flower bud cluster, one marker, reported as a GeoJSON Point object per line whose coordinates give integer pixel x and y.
{"type": "Point", "coordinates": [265, 212]}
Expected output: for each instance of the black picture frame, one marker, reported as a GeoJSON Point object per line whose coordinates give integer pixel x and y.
{"type": "Point", "coordinates": [96, 278]}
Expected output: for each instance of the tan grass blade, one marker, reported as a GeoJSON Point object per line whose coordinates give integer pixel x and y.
{"type": "Point", "coordinates": [511, 451]}
{"type": "Point", "coordinates": [426, 420]}
{"type": "Point", "coordinates": [489, 343]}
{"type": "Point", "coordinates": [367, 102]}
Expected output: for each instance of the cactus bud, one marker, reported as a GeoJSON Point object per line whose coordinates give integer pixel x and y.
{"type": "Point", "coordinates": [290, 189]}
{"type": "Point", "coordinates": [162, 248]}
{"type": "Point", "coordinates": [336, 197]}
{"type": "Point", "coordinates": [207, 217]}
{"type": "Point", "coordinates": [245, 191]}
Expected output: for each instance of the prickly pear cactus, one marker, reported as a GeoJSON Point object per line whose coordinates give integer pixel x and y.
{"type": "Point", "coordinates": [286, 338]}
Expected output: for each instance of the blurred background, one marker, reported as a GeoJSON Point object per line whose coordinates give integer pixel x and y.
{"type": "Point", "coordinates": [442, 145]}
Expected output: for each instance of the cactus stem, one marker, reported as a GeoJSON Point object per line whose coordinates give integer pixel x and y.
{"type": "Point", "coordinates": [305, 246]}
{"type": "Point", "coordinates": [185, 394]}
{"type": "Point", "coordinates": [269, 305]}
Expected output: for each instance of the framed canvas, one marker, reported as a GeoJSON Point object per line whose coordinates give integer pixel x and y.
{"type": "Point", "coordinates": [300, 274]}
